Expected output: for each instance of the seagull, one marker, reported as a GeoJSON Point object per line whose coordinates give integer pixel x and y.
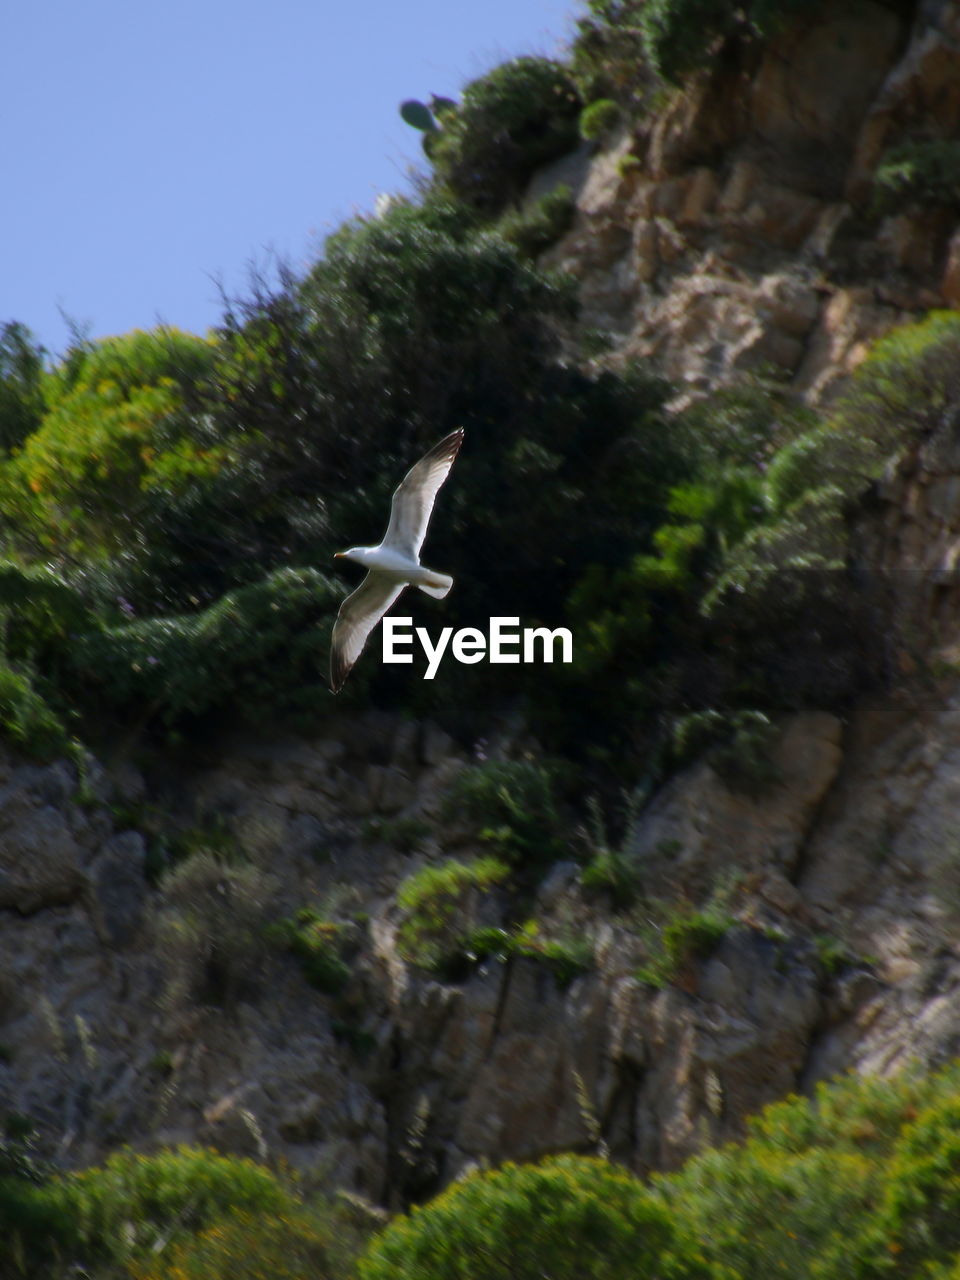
{"type": "Point", "coordinates": [395, 563]}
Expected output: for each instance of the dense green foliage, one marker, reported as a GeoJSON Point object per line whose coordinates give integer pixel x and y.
{"type": "Point", "coordinates": [21, 385]}
{"type": "Point", "coordinates": [702, 565]}
{"type": "Point", "coordinates": [511, 806]}
{"type": "Point", "coordinates": [169, 504]}
{"type": "Point", "coordinates": [535, 228]}
{"type": "Point", "coordinates": [510, 121]}
{"type": "Point", "coordinates": [858, 1182]}
{"type": "Point", "coordinates": [441, 907]}
{"type": "Point", "coordinates": [211, 928]}
{"type": "Point", "coordinates": [184, 1214]}
{"type": "Point", "coordinates": [298, 1244]}
{"type": "Point", "coordinates": [624, 44]}
{"type": "Point", "coordinates": [598, 118]}
{"type": "Point", "coordinates": [829, 1187]}
{"type": "Point", "coordinates": [569, 1218]}
{"type": "Point", "coordinates": [684, 936]}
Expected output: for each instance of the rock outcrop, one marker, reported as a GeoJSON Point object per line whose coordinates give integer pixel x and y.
{"type": "Point", "coordinates": [723, 235]}
{"type": "Point", "coordinates": [732, 230]}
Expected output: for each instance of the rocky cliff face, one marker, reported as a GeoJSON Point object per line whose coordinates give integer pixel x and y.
{"type": "Point", "coordinates": [731, 241]}
{"type": "Point", "coordinates": [728, 232]}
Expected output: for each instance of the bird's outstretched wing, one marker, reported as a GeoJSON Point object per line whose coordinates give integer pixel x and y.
{"type": "Point", "coordinates": [415, 495]}
{"type": "Point", "coordinates": [358, 615]}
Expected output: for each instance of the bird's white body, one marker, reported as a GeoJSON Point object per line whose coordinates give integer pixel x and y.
{"type": "Point", "coordinates": [395, 563]}
{"type": "Point", "coordinates": [400, 568]}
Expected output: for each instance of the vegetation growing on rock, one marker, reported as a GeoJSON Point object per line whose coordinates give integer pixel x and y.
{"type": "Point", "coordinates": [849, 1183]}
{"type": "Point", "coordinates": [168, 508]}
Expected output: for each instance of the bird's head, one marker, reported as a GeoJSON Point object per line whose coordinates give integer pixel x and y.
{"type": "Point", "coordinates": [355, 553]}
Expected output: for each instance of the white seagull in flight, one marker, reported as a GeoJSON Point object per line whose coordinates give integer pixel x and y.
{"type": "Point", "coordinates": [395, 563]}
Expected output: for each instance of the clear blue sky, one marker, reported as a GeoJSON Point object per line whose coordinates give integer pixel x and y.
{"type": "Point", "coordinates": [153, 149]}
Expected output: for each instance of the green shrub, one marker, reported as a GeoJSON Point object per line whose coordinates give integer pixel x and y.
{"type": "Point", "coordinates": [608, 56]}
{"type": "Point", "coordinates": [512, 806]}
{"type": "Point", "coordinates": [114, 422]}
{"type": "Point", "coordinates": [738, 745]}
{"type": "Point", "coordinates": [510, 121]}
{"type": "Point", "coordinates": [925, 172]}
{"type": "Point", "coordinates": [132, 1203]}
{"type": "Point", "coordinates": [679, 34]}
{"type": "Point", "coordinates": [27, 720]}
{"type": "Point", "coordinates": [566, 958]}
{"type": "Point", "coordinates": [598, 118]}
{"type": "Point", "coordinates": [251, 650]}
{"type": "Point", "coordinates": [569, 1218]}
{"type": "Point", "coordinates": [843, 1184]}
{"type": "Point", "coordinates": [21, 385]}
{"type": "Point", "coordinates": [795, 573]}
{"type": "Point", "coordinates": [37, 1230]}
{"type": "Point", "coordinates": [684, 937]}
{"type": "Point", "coordinates": [311, 402]}
{"type": "Point", "coordinates": [766, 1214]}
{"type": "Point", "coordinates": [857, 1113]}
{"type": "Point", "coordinates": [440, 907]}
{"type": "Point", "coordinates": [919, 1220]}
{"type": "Point", "coordinates": [211, 929]}
{"type": "Point", "coordinates": [613, 873]}
{"type": "Point", "coordinates": [536, 228]}
{"type": "Point", "coordinates": [296, 1244]}
{"type": "Point", "coordinates": [623, 45]}
{"type": "Point", "coordinates": [317, 943]}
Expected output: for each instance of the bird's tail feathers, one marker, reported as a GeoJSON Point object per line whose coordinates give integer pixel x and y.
{"type": "Point", "coordinates": [438, 586]}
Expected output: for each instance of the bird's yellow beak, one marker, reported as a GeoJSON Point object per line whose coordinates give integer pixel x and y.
{"type": "Point", "coordinates": [339, 555]}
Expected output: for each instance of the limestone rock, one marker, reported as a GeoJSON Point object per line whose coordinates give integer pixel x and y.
{"type": "Point", "coordinates": [120, 887]}
{"type": "Point", "coordinates": [698, 825]}
{"type": "Point", "coordinates": [41, 862]}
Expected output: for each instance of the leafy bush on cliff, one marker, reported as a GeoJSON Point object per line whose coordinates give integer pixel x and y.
{"type": "Point", "coordinates": [598, 118]}
{"type": "Point", "coordinates": [299, 1243]}
{"type": "Point", "coordinates": [27, 719]}
{"type": "Point", "coordinates": [762, 1213]}
{"type": "Point", "coordinates": [441, 907]}
{"type": "Point", "coordinates": [133, 1203]}
{"type": "Point", "coordinates": [255, 648]}
{"type": "Point", "coordinates": [919, 1218]}
{"type": "Point", "coordinates": [510, 121]}
{"type": "Point", "coordinates": [856, 1182]}
{"type": "Point", "coordinates": [318, 943]}
{"type": "Point", "coordinates": [673, 38]}
{"type": "Point", "coordinates": [841, 1185]}
{"type": "Point", "coordinates": [534, 229]}
{"type": "Point", "coordinates": [114, 425]}
{"type": "Point", "coordinates": [211, 930]}
{"type": "Point", "coordinates": [569, 1218]}
{"type": "Point", "coordinates": [21, 384]}
{"type": "Point", "coordinates": [169, 476]}
{"type": "Point", "coordinates": [511, 806]}
{"type": "Point", "coordinates": [180, 492]}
